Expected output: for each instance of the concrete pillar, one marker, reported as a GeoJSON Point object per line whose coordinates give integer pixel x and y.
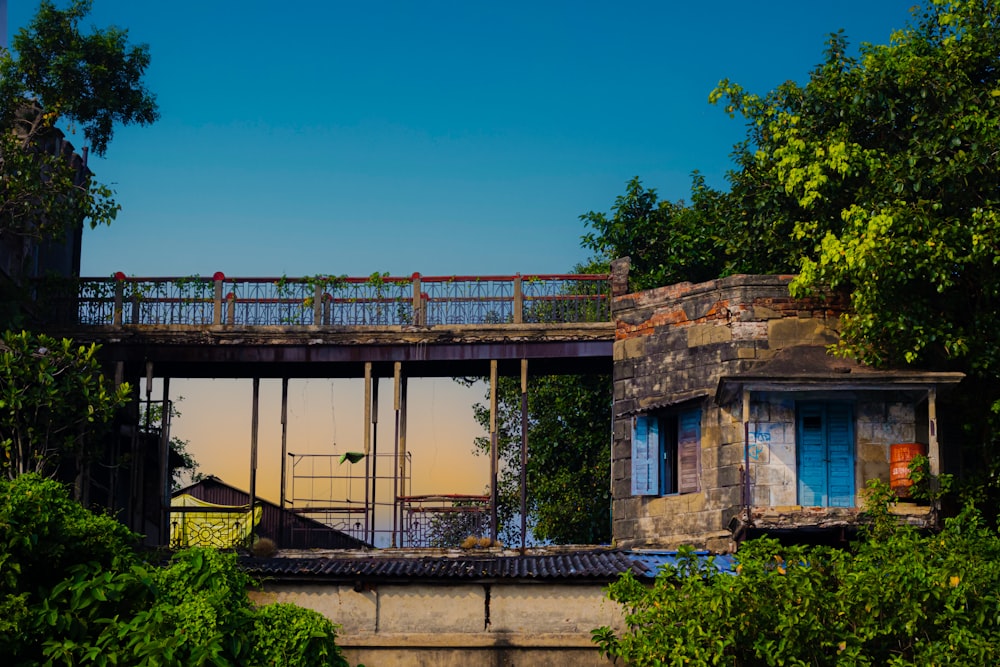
{"type": "Point", "coordinates": [619, 276]}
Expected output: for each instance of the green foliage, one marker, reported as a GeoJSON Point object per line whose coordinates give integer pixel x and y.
{"type": "Point", "coordinates": [45, 540]}
{"type": "Point", "coordinates": [877, 172]}
{"type": "Point", "coordinates": [569, 462]}
{"type": "Point", "coordinates": [60, 73]}
{"type": "Point", "coordinates": [925, 485]}
{"type": "Point", "coordinates": [878, 178]}
{"type": "Point", "coordinates": [667, 242]}
{"type": "Point", "coordinates": [294, 637]}
{"type": "Point", "coordinates": [72, 591]}
{"type": "Point", "coordinates": [897, 598]}
{"type": "Point", "coordinates": [54, 402]}
{"type": "Point", "coordinates": [92, 79]}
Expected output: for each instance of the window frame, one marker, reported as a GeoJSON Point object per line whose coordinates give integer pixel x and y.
{"type": "Point", "coordinates": [666, 452]}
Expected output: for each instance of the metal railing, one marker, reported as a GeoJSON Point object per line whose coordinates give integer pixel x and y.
{"type": "Point", "coordinates": [445, 521]}
{"type": "Point", "coordinates": [378, 300]}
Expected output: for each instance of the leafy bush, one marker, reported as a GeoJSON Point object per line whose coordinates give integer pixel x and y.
{"type": "Point", "coordinates": [72, 591]}
{"type": "Point", "coordinates": [897, 598]}
{"type": "Point", "coordinates": [45, 540]}
{"type": "Point", "coordinates": [294, 637]}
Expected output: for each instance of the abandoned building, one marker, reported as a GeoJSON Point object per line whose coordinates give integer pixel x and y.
{"type": "Point", "coordinates": [731, 419]}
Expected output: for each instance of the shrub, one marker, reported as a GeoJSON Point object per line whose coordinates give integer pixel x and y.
{"type": "Point", "coordinates": [293, 637]}
{"type": "Point", "coordinates": [897, 597]}
{"type": "Point", "coordinates": [73, 591]}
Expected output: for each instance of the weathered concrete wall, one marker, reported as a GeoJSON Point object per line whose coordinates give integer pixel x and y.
{"type": "Point", "coordinates": [545, 624]}
{"type": "Point", "coordinates": [672, 345]}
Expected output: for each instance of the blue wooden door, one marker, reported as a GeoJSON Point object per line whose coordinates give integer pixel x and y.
{"type": "Point", "coordinates": [825, 436]}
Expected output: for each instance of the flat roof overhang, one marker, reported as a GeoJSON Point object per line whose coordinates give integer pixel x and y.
{"type": "Point", "coordinates": [811, 369]}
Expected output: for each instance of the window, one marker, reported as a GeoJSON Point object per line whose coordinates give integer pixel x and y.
{"type": "Point", "coordinates": [666, 449]}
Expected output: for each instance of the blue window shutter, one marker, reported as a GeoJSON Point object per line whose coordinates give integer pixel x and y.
{"type": "Point", "coordinates": [689, 451]}
{"type": "Point", "coordinates": [645, 456]}
{"type": "Point", "coordinates": [840, 455]}
{"type": "Point", "coordinates": [812, 456]}
{"type": "Point", "coordinates": [826, 455]}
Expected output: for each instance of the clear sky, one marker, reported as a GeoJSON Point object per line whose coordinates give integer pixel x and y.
{"type": "Point", "coordinates": [442, 137]}
{"type": "Point", "coordinates": [458, 137]}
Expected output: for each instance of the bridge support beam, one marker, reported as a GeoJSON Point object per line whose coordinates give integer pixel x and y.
{"type": "Point", "coordinates": [284, 457]}
{"type": "Point", "coordinates": [399, 452]}
{"type": "Point", "coordinates": [367, 431]}
{"type": "Point", "coordinates": [524, 452]}
{"type": "Point", "coordinates": [493, 450]}
{"type": "Point", "coordinates": [164, 454]}
{"type": "Point", "coordinates": [370, 506]}
{"type": "Point", "coordinates": [254, 422]}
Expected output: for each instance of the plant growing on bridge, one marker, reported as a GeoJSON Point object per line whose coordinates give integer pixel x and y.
{"type": "Point", "coordinates": [54, 403]}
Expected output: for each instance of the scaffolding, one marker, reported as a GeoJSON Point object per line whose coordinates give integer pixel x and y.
{"type": "Point", "coordinates": [339, 491]}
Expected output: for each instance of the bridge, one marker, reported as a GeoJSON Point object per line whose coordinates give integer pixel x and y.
{"type": "Point", "coordinates": [330, 326]}
{"type": "Point", "coordinates": [379, 326]}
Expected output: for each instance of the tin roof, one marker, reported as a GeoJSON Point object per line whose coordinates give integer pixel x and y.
{"type": "Point", "coordinates": [587, 564]}
{"type": "Point", "coordinates": [654, 560]}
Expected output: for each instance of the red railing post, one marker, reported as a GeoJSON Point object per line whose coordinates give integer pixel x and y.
{"type": "Point", "coordinates": [217, 302]}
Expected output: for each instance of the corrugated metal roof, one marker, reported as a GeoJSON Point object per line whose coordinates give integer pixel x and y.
{"type": "Point", "coordinates": [654, 560]}
{"type": "Point", "coordinates": [595, 565]}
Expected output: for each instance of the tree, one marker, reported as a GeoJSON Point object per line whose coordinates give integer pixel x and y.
{"type": "Point", "coordinates": [886, 169]}
{"type": "Point", "coordinates": [667, 242]}
{"type": "Point", "coordinates": [879, 177]}
{"type": "Point", "coordinates": [60, 74]}
{"type": "Point", "coordinates": [54, 403]}
{"type": "Point", "coordinates": [569, 457]}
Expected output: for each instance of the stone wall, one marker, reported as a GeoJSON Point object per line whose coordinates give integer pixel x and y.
{"type": "Point", "coordinates": [672, 344]}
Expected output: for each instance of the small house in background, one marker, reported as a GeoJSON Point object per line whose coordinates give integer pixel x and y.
{"type": "Point", "coordinates": [225, 506]}
{"type": "Point", "coordinates": [731, 419]}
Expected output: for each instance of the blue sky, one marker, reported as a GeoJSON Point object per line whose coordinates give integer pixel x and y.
{"type": "Point", "coordinates": [439, 137]}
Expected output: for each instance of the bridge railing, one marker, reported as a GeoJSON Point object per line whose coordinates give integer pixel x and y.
{"type": "Point", "coordinates": [378, 300]}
